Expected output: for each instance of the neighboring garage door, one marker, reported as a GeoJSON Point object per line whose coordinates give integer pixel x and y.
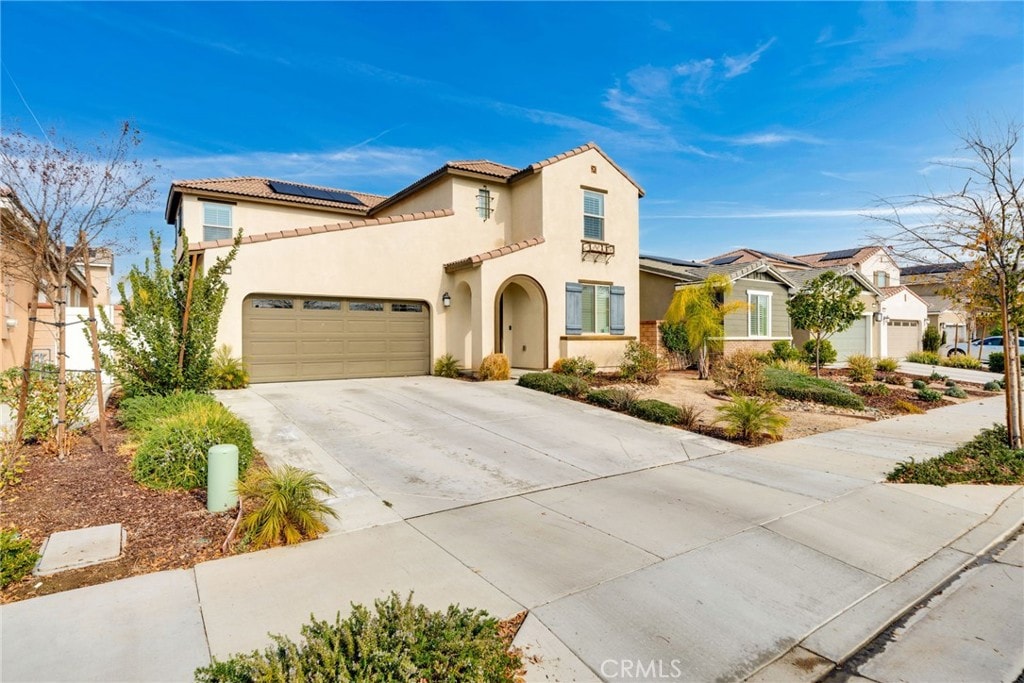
{"type": "Point", "coordinates": [852, 340]}
{"type": "Point", "coordinates": [904, 337]}
{"type": "Point", "coordinates": [303, 338]}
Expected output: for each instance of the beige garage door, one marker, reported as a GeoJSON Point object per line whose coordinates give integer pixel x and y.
{"type": "Point", "coordinates": [303, 338]}
{"type": "Point", "coordinates": [852, 340]}
{"type": "Point", "coordinates": [904, 337]}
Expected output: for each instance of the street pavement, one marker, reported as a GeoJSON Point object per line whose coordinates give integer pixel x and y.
{"type": "Point", "coordinates": [641, 552]}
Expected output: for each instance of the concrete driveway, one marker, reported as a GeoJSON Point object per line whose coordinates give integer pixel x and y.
{"type": "Point", "coordinates": [426, 444]}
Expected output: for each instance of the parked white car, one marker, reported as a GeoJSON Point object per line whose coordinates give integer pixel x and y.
{"type": "Point", "coordinates": [986, 346]}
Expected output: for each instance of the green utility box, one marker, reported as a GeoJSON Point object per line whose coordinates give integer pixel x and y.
{"type": "Point", "coordinates": [221, 477]}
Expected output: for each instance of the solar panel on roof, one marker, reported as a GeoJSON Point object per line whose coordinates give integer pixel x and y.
{"type": "Point", "coordinates": [837, 255]}
{"type": "Point", "coordinates": [312, 192]}
{"type": "Point", "coordinates": [725, 260]}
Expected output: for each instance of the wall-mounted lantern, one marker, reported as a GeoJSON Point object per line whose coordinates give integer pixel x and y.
{"type": "Point", "coordinates": [446, 300]}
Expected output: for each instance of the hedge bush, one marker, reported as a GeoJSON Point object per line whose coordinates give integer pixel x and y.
{"type": "Point", "coordinates": [993, 386]}
{"type": "Point", "coordinates": [961, 360]}
{"type": "Point", "coordinates": [140, 413]}
{"type": "Point", "coordinates": [172, 451]}
{"type": "Point", "coordinates": [827, 354]}
{"type": "Point", "coordinates": [614, 399]}
{"type": "Point", "coordinates": [495, 367]}
{"type": "Point", "coordinates": [18, 556]}
{"type": "Point", "coordinates": [397, 641]}
{"type": "Point", "coordinates": [955, 392]}
{"type": "Point", "coordinates": [997, 361]}
{"type": "Point", "coordinates": [919, 384]}
{"type": "Point", "coordinates": [783, 350]}
{"type": "Point", "coordinates": [929, 395]}
{"type": "Point", "coordinates": [552, 383]}
{"type": "Point", "coordinates": [653, 410]}
{"type": "Point", "coordinates": [923, 357]}
{"type": "Point", "coordinates": [577, 366]}
{"type": "Point", "coordinates": [805, 388]}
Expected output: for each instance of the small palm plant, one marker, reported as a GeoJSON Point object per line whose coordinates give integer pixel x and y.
{"type": "Point", "coordinates": [287, 509]}
{"type": "Point", "coordinates": [751, 418]}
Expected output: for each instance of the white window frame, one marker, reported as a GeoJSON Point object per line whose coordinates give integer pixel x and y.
{"type": "Point", "coordinates": [884, 276]}
{"type": "Point", "coordinates": [209, 226]}
{"type": "Point", "coordinates": [592, 194]}
{"type": "Point", "coordinates": [591, 326]}
{"type": "Point", "coordinates": [751, 293]}
{"type": "Point", "coordinates": [483, 203]}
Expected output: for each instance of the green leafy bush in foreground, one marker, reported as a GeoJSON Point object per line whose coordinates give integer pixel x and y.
{"type": "Point", "coordinates": [751, 418]}
{"type": "Point", "coordinates": [446, 366]}
{"type": "Point", "coordinates": [285, 505]}
{"type": "Point", "coordinates": [552, 383]}
{"type": "Point", "coordinates": [17, 556]}
{"type": "Point", "coordinates": [986, 459]}
{"type": "Point", "coordinates": [886, 364]}
{"type": "Point", "coordinates": [961, 360]}
{"type": "Point", "coordinates": [41, 414]}
{"type": "Point", "coordinates": [653, 410]}
{"type": "Point", "coordinates": [142, 412]}
{"type": "Point", "coordinates": [929, 395]}
{"type": "Point", "coordinates": [227, 371]}
{"type": "Point", "coordinates": [805, 388]}
{"type": "Point", "coordinates": [923, 357]}
{"type": "Point", "coordinates": [397, 641]}
{"type": "Point", "coordinates": [615, 398]}
{"type": "Point", "coordinates": [172, 451]}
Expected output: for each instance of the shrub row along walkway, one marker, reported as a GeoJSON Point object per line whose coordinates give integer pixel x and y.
{"type": "Point", "coordinates": [709, 565]}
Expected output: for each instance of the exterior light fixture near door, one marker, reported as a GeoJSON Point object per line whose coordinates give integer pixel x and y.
{"type": "Point", "coordinates": [446, 300]}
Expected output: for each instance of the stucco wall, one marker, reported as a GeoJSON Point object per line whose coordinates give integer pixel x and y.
{"type": "Point", "coordinates": [255, 218]}
{"type": "Point", "coordinates": [656, 292]}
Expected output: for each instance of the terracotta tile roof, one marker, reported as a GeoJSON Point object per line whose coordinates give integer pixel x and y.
{"type": "Point", "coordinates": [317, 229]}
{"type": "Point", "coordinates": [889, 292]}
{"type": "Point", "coordinates": [537, 166]}
{"type": "Point", "coordinates": [484, 166]}
{"type": "Point", "coordinates": [260, 188]}
{"type": "Point", "coordinates": [746, 255]}
{"type": "Point", "coordinates": [819, 258]}
{"type": "Point", "coordinates": [477, 259]}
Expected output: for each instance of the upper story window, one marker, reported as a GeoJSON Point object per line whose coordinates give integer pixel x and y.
{"type": "Point", "coordinates": [881, 278]}
{"type": "Point", "coordinates": [593, 215]}
{"type": "Point", "coordinates": [483, 203]}
{"type": "Point", "coordinates": [216, 221]}
{"type": "Point", "coordinates": [760, 314]}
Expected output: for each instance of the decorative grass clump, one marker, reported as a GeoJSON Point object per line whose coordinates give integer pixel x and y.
{"type": "Point", "coordinates": [805, 388]}
{"type": "Point", "coordinates": [887, 364]}
{"type": "Point", "coordinates": [142, 412]}
{"type": "Point", "coordinates": [285, 507]}
{"type": "Point", "coordinates": [653, 410]}
{"type": "Point", "coordinates": [751, 418]}
{"type": "Point", "coordinates": [861, 367]}
{"type": "Point", "coordinates": [907, 407]}
{"type": "Point", "coordinates": [495, 367]}
{"type": "Point", "coordinates": [172, 450]}
{"type": "Point", "coordinates": [551, 383]}
{"type": "Point", "coordinates": [986, 459]}
{"type": "Point", "coordinates": [397, 641]}
{"type": "Point", "coordinates": [923, 357]}
{"type": "Point", "coordinates": [614, 398]}
{"type": "Point", "coordinates": [876, 389]}
{"type": "Point", "coordinates": [226, 371]}
{"type": "Point", "coordinates": [961, 360]}
{"type": "Point", "coordinates": [446, 366]}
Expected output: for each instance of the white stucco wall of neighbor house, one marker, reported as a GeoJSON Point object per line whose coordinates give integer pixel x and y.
{"type": "Point", "coordinates": [405, 260]}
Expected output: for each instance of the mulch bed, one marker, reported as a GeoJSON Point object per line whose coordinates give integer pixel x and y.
{"type": "Point", "coordinates": [164, 529]}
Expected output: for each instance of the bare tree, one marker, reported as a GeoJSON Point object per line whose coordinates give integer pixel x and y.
{"type": "Point", "coordinates": [73, 199]}
{"type": "Point", "coordinates": [980, 226]}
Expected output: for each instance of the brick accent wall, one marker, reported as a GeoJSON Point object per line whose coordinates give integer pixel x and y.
{"type": "Point", "coordinates": [650, 336]}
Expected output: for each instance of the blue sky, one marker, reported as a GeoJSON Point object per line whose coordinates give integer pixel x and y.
{"type": "Point", "coordinates": [771, 125]}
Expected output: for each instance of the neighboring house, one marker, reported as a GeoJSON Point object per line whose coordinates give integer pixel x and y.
{"type": "Point", "coordinates": [758, 284]}
{"type": "Point", "coordinates": [929, 282]}
{"type": "Point", "coordinates": [474, 258]}
{"type": "Point", "coordinates": [781, 262]}
{"type": "Point", "coordinates": [903, 314]}
{"type": "Point", "coordinates": [864, 336]}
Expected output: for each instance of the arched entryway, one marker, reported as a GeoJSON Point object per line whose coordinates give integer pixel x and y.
{"type": "Point", "coordinates": [521, 315]}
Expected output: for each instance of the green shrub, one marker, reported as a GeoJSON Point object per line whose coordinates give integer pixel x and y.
{"type": "Point", "coordinates": [751, 418]}
{"type": "Point", "coordinates": [955, 392]}
{"type": "Point", "coordinates": [986, 459]}
{"type": "Point", "coordinates": [446, 366]}
{"type": "Point", "coordinates": [689, 416]}
{"type": "Point", "coordinates": [640, 364]}
{"type": "Point", "coordinates": [13, 460]}
{"type": "Point", "coordinates": [141, 412]}
{"type": "Point", "coordinates": [997, 361]}
{"type": "Point", "coordinates": [993, 386]}
{"type": "Point", "coordinates": [673, 336]}
{"type": "Point", "coordinates": [936, 377]}
{"type": "Point", "coordinates": [577, 366]}
{"type": "Point", "coordinates": [887, 364]}
{"type": "Point", "coordinates": [653, 410]}
{"type": "Point", "coordinates": [739, 372]}
{"type": "Point", "coordinates": [286, 508]}
{"type": "Point", "coordinates": [615, 398]}
{"type": "Point", "coordinates": [828, 353]}
{"type": "Point", "coordinates": [397, 641]}
{"type": "Point", "coordinates": [950, 383]}
{"type": "Point", "coordinates": [793, 365]}
{"type": "Point", "coordinates": [919, 384]}
{"type": "Point", "coordinates": [895, 380]}
{"type": "Point", "coordinates": [41, 414]}
{"type": "Point", "coordinates": [923, 357]}
{"type": "Point", "coordinates": [932, 340]}
{"type": "Point", "coordinates": [172, 451]}
{"type": "Point", "coordinates": [862, 368]}
{"type": "Point", "coordinates": [907, 407]}
{"type": "Point", "coordinates": [226, 371]}
{"type": "Point", "coordinates": [929, 395]}
{"type": "Point", "coordinates": [495, 367]}
{"type": "Point", "coordinates": [18, 556]}
{"type": "Point", "coordinates": [551, 383]}
{"type": "Point", "coordinates": [876, 389]}
{"type": "Point", "coordinates": [804, 388]}
{"type": "Point", "coordinates": [783, 350]}
{"type": "Point", "coordinates": [961, 360]}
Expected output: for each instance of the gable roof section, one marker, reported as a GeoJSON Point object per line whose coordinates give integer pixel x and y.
{"type": "Point", "coordinates": [477, 259]}
{"type": "Point", "coordinates": [318, 229]}
{"type": "Point", "coordinates": [691, 272]}
{"type": "Point", "coordinates": [259, 188]}
{"type": "Point", "coordinates": [839, 257]}
{"type": "Point", "coordinates": [889, 292]}
{"type": "Point", "coordinates": [539, 165]}
{"type": "Point", "coordinates": [801, 277]}
{"type": "Point", "coordinates": [745, 255]}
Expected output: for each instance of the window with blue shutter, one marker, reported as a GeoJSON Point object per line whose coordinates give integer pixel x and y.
{"type": "Point", "coordinates": [617, 307]}
{"type": "Point", "coordinates": [573, 308]}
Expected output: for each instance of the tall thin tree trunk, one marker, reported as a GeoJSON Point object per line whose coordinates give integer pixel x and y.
{"type": "Point", "coordinates": [62, 373]}
{"type": "Point", "coordinates": [42, 246]}
{"type": "Point", "coordinates": [1011, 362]}
{"type": "Point", "coordinates": [94, 339]}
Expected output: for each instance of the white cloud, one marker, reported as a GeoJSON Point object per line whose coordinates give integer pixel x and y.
{"type": "Point", "coordinates": [770, 138]}
{"type": "Point", "coordinates": [696, 73]}
{"type": "Point", "coordinates": [737, 66]}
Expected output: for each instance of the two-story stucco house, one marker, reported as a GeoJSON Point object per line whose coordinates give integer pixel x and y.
{"type": "Point", "coordinates": [477, 257]}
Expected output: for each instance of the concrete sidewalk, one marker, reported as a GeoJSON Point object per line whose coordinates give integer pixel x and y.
{"type": "Point", "coordinates": [776, 562]}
